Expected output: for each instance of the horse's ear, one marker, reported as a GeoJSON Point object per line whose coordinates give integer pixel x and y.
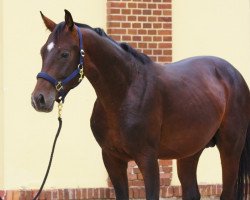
{"type": "Point", "coordinates": [48, 23]}
{"type": "Point", "coordinates": [69, 20]}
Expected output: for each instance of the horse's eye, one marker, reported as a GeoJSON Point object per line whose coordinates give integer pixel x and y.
{"type": "Point", "coordinates": [65, 55]}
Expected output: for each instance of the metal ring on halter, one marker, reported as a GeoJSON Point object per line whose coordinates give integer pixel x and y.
{"type": "Point", "coordinates": [82, 53]}
{"type": "Point", "coordinates": [80, 66]}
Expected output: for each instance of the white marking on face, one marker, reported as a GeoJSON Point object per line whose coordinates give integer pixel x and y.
{"type": "Point", "coordinates": [50, 46]}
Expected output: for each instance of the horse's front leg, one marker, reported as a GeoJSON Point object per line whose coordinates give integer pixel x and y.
{"type": "Point", "coordinates": [117, 170]}
{"type": "Point", "coordinates": [148, 165]}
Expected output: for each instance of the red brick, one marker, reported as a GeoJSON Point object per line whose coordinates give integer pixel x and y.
{"type": "Point", "coordinates": [114, 24]}
{"type": "Point", "coordinates": [132, 5]}
{"type": "Point", "coordinates": [79, 194]}
{"type": "Point", "coordinates": [107, 193]}
{"type": "Point", "coordinates": [142, 32]}
{"type": "Point", "coordinates": [142, 18]}
{"type": "Point", "coordinates": [114, 11]}
{"type": "Point", "coordinates": [136, 193]}
{"type": "Point", "coordinates": [126, 38]}
{"type": "Point", "coordinates": [157, 12]}
{"type": "Point", "coordinates": [60, 194]}
{"type": "Point", "coordinates": [167, 12]}
{"type": "Point", "coordinates": [134, 44]}
{"type": "Point", "coordinates": [158, 52]}
{"type": "Point", "coordinates": [132, 31]}
{"type": "Point", "coordinates": [147, 38]}
{"type": "Point", "coordinates": [48, 195]}
{"type": "Point", "coordinates": [165, 162]}
{"type": "Point", "coordinates": [152, 32]}
{"type": "Point", "coordinates": [157, 38]}
{"type": "Point", "coordinates": [136, 25]}
{"type": "Point", "coordinates": [126, 11]}
{"type": "Point", "coordinates": [90, 193]}
{"type": "Point", "coordinates": [117, 31]}
{"type": "Point", "coordinates": [102, 193]}
{"type": "Point", "coordinates": [147, 12]}
{"type": "Point", "coordinates": [147, 51]}
{"type": "Point", "coordinates": [131, 18]}
{"type": "Point", "coordinates": [142, 193]}
{"type": "Point", "coordinates": [137, 12]}
{"type": "Point", "coordinates": [126, 25]}
{"type": "Point", "coordinates": [138, 183]}
{"type": "Point", "coordinates": [152, 6]}
{"type": "Point", "coordinates": [117, 4]}
{"type": "Point", "coordinates": [112, 193]}
{"type": "Point", "coordinates": [157, 25]}
{"type": "Point", "coordinates": [147, 25]}
{"type": "Point", "coordinates": [164, 32]}
{"type": "Point", "coordinates": [96, 193]}
{"type": "Point", "coordinates": [116, 18]}
{"type": "Point", "coordinates": [167, 26]}
{"type": "Point", "coordinates": [167, 38]}
{"type": "Point", "coordinates": [165, 19]}
{"type": "Point", "coordinates": [177, 191]}
{"type": "Point", "coordinates": [165, 181]}
{"type": "Point", "coordinates": [163, 6]}
{"type": "Point", "coordinates": [142, 5]}
{"type": "Point", "coordinates": [136, 170]}
{"type": "Point", "coordinates": [166, 192]}
{"type": "Point", "coordinates": [152, 19]}
{"type": "Point", "coordinates": [152, 45]}
{"type": "Point", "coordinates": [167, 169]}
{"type": "Point", "coordinates": [165, 45]}
{"type": "Point", "coordinates": [142, 45]}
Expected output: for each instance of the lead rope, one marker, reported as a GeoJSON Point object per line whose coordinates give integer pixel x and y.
{"type": "Point", "coordinates": [60, 106]}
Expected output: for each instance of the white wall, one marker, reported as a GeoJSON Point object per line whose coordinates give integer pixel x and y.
{"type": "Point", "coordinates": [220, 28]}
{"type": "Point", "coordinates": [1, 97]}
{"type": "Point", "coordinates": [28, 135]}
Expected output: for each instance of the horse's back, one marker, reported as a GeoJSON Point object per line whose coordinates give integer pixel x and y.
{"type": "Point", "coordinates": [212, 71]}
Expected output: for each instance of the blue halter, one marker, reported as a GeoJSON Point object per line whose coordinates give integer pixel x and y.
{"type": "Point", "coordinates": [59, 85]}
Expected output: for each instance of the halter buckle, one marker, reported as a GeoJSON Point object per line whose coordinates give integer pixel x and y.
{"type": "Point", "coordinates": [59, 86]}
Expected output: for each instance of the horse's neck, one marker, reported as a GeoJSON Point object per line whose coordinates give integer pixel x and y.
{"type": "Point", "coordinates": [106, 69]}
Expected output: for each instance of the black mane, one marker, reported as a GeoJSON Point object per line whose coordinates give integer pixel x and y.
{"type": "Point", "coordinates": [143, 58]}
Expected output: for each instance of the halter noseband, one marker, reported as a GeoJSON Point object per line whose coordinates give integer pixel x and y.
{"type": "Point", "coordinates": [59, 85]}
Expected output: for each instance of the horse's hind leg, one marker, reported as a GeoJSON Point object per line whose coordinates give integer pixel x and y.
{"type": "Point", "coordinates": [117, 170]}
{"type": "Point", "coordinates": [186, 168]}
{"type": "Point", "coordinates": [230, 142]}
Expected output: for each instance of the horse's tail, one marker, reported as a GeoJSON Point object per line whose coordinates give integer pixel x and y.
{"type": "Point", "coordinates": [243, 183]}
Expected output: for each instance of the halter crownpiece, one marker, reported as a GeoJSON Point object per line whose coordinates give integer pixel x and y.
{"type": "Point", "coordinates": [59, 84]}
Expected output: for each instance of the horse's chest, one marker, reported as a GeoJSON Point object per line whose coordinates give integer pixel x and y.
{"type": "Point", "coordinates": [107, 134]}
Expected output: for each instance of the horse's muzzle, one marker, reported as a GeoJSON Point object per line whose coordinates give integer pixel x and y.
{"type": "Point", "coordinates": [41, 103]}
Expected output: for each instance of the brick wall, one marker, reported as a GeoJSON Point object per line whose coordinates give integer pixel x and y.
{"type": "Point", "coordinates": [147, 26]}
{"type": "Point", "coordinates": [144, 24]}
{"type": "Point", "coordinates": [103, 193]}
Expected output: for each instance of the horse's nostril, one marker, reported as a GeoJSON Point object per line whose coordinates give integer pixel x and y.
{"type": "Point", "coordinates": [41, 100]}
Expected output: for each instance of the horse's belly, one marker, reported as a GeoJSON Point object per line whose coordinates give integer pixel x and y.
{"type": "Point", "coordinates": [180, 141]}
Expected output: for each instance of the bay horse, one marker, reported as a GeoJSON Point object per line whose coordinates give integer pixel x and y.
{"type": "Point", "coordinates": [145, 111]}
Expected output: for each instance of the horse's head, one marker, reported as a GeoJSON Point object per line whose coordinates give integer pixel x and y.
{"type": "Point", "coordinates": [60, 63]}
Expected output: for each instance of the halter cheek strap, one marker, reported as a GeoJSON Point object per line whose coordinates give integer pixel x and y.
{"type": "Point", "coordinates": [59, 84]}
